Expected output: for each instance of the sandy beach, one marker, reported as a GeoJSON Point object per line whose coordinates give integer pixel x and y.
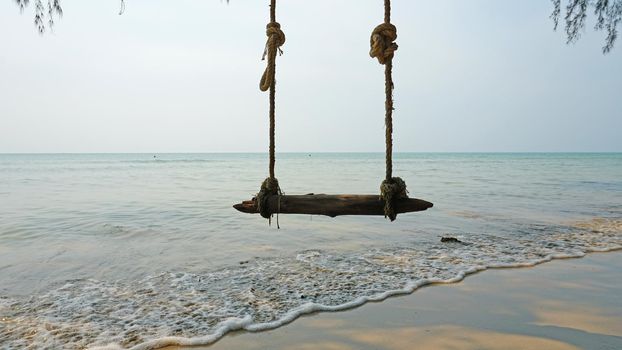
{"type": "Point", "coordinates": [562, 305]}
{"type": "Point", "coordinates": [232, 175]}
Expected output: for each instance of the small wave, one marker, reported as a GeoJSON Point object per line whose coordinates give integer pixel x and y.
{"type": "Point", "coordinates": [600, 225]}
{"type": "Point", "coordinates": [178, 308]}
{"type": "Point", "coordinates": [167, 161]}
{"type": "Point", "coordinates": [467, 214]}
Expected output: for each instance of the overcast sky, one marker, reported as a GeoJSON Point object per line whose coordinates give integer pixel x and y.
{"type": "Point", "coordinates": [182, 76]}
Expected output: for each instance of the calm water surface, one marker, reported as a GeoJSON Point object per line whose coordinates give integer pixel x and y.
{"type": "Point", "coordinates": [118, 224]}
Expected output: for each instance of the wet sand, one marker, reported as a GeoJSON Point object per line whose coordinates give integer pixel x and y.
{"type": "Point", "coordinates": [562, 305]}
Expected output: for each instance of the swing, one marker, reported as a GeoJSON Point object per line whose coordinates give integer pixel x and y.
{"type": "Point", "coordinates": [393, 198]}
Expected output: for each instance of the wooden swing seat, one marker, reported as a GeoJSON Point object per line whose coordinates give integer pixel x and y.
{"type": "Point", "coordinates": [333, 205]}
{"type": "Point", "coordinates": [382, 47]}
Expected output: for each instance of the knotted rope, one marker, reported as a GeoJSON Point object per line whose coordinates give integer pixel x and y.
{"type": "Point", "coordinates": [276, 38]}
{"type": "Point", "coordinates": [269, 187]}
{"type": "Point", "coordinates": [383, 48]}
{"type": "Point", "coordinates": [390, 190]}
{"type": "Point", "coordinates": [382, 42]}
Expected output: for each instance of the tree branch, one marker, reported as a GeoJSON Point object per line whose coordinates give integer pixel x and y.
{"type": "Point", "coordinates": [608, 16]}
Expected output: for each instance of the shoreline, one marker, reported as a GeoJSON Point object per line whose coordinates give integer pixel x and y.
{"type": "Point", "coordinates": [373, 315]}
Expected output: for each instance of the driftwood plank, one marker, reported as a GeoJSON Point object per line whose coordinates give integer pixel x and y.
{"type": "Point", "coordinates": [333, 205]}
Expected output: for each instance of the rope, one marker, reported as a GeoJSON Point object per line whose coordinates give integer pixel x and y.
{"type": "Point", "coordinates": [382, 42]}
{"type": "Point", "coordinates": [390, 190]}
{"type": "Point", "coordinates": [269, 187]}
{"type": "Point", "coordinates": [383, 47]}
{"type": "Point", "coordinates": [276, 38]}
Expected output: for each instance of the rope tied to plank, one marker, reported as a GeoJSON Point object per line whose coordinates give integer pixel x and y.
{"type": "Point", "coordinates": [383, 47]}
{"type": "Point", "coordinates": [270, 186]}
{"type": "Point", "coordinates": [390, 190]}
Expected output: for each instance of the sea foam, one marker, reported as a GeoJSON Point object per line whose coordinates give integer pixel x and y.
{"type": "Point", "coordinates": [180, 308]}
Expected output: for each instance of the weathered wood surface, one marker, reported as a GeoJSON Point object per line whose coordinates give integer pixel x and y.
{"type": "Point", "coordinates": [333, 205]}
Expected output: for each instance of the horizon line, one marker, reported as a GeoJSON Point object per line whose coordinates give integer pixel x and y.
{"type": "Point", "coordinates": [314, 152]}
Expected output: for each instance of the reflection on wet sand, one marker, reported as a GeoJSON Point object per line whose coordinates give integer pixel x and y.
{"type": "Point", "coordinates": [329, 345]}
{"type": "Point", "coordinates": [451, 337]}
{"type": "Point", "coordinates": [589, 319]}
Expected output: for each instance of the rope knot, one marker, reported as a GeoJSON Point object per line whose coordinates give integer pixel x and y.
{"type": "Point", "coordinates": [390, 190]}
{"type": "Point", "coordinates": [274, 32]}
{"type": "Point", "coordinates": [276, 39]}
{"type": "Point", "coordinates": [382, 42]}
{"type": "Point", "coordinates": [269, 187]}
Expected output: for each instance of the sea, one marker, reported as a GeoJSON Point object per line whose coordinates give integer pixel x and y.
{"type": "Point", "coordinates": [141, 251]}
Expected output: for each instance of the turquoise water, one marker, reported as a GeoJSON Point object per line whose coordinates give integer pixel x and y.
{"type": "Point", "coordinates": [128, 248]}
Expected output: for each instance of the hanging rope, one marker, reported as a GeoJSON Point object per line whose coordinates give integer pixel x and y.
{"type": "Point", "coordinates": [276, 38]}
{"type": "Point", "coordinates": [383, 48]}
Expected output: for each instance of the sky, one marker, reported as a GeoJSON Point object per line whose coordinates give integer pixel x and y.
{"type": "Point", "coordinates": [183, 76]}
